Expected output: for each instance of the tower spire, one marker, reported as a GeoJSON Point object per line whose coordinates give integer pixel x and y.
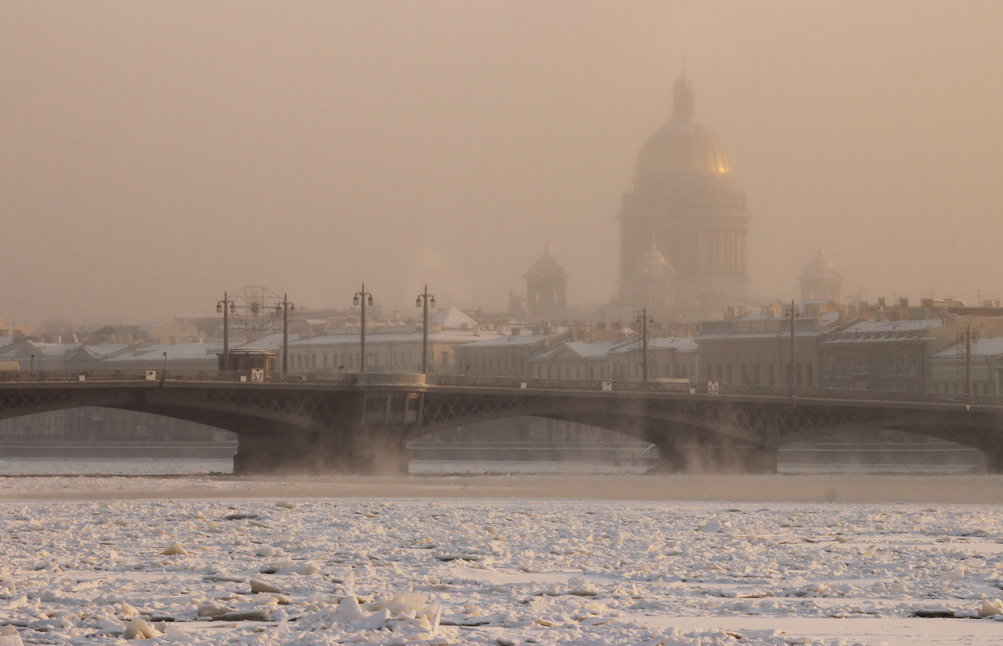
{"type": "Point", "coordinates": [682, 98]}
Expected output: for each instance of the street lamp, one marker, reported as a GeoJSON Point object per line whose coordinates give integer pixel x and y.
{"type": "Point", "coordinates": [285, 307]}
{"type": "Point", "coordinates": [644, 319]}
{"type": "Point", "coordinates": [423, 301]}
{"type": "Point", "coordinates": [363, 298]}
{"type": "Point", "coordinates": [165, 366]}
{"type": "Point", "coordinates": [793, 315]}
{"type": "Point", "coordinates": [226, 307]}
{"type": "Point", "coordinates": [33, 363]}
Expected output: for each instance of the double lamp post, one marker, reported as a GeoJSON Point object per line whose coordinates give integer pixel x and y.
{"type": "Point", "coordinates": [424, 300]}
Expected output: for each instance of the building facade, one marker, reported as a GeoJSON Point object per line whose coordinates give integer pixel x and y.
{"type": "Point", "coordinates": [887, 354]}
{"type": "Point", "coordinates": [506, 355]}
{"type": "Point", "coordinates": [969, 367]}
{"type": "Point", "coordinates": [758, 349]}
{"type": "Point", "coordinates": [398, 352]}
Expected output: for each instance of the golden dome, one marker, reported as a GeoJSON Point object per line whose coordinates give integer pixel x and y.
{"type": "Point", "coordinates": [682, 144]}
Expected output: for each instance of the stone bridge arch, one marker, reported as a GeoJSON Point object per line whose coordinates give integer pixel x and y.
{"type": "Point", "coordinates": [687, 437]}
{"type": "Point", "coordinates": [365, 427]}
{"type": "Point", "coordinates": [630, 419]}
{"type": "Point", "coordinates": [979, 430]}
{"type": "Point", "coordinates": [276, 429]}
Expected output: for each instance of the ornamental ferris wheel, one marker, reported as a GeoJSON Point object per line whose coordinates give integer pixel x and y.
{"type": "Point", "coordinates": [256, 309]}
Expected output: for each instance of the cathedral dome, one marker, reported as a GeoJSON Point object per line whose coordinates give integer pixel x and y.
{"type": "Point", "coordinates": [682, 145]}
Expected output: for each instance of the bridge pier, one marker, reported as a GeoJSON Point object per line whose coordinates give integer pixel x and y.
{"type": "Point", "coordinates": [715, 459]}
{"type": "Point", "coordinates": [994, 460]}
{"type": "Point", "coordinates": [361, 449]}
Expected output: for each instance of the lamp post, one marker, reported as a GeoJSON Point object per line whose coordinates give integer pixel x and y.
{"type": "Point", "coordinates": [226, 307]}
{"type": "Point", "coordinates": [285, 307]}
{"type": "Point", "coordinates": [33, 363]}
{"type": "Point", "coordinates": [644, 319]}
{"type": "Point", "coordinates": [967, 335]}
{"type": "Point", "coordinates": [792, 314]}
{"type": "Point", "coordinates": [423, 301]}
{"type": "Point", "coordinates": [165, 365]}
{"type": "Point", "coordinates": [363, 298]}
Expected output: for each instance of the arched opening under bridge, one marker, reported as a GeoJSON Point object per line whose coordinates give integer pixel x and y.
{"type": "Point", "coordinates": [95, 439]}
{"type": "Point", "coordinates": [880, 450]}
{"type": "Point", "coordinates": [530, 444]}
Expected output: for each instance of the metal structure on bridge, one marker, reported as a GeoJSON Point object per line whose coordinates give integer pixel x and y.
{"type": "Point", "coordinates": [362, 422]}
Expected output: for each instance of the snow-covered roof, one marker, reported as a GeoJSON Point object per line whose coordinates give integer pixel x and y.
{"type": "Point", "coordinates": [511, 340]}
{"type": "Point", "coordinates": [175, 352]}
{"type": "Point", "coordinates": [777, 334]}
{"type": "Point", "coordinates": [105, 350]}
{"type": "Point", "coordinates": [884, 331]}
{"type": "Point", "coordinates": [894, 326]}
{"type": "Point", "coordinates": [679, 344]}
{"type": "Point", "coordinates": [829, 317]}
{"type": "Point", "coordinates": [452, 318]}
{"type": "Point", "coordinates": [271, 341]}
{"type": "Point", "coordinates": [592, 349]}
{"type": "Point", "coordinates": [442, 336]}
{"type": "Point", "coordinates": [583, 349]}
{"type": "Point", "coordinates": [52, 349]}
{"type": "Point", "coordinates": [986, 347]}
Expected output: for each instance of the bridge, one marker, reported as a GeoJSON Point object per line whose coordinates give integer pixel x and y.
{"type": "Point", "coordinates": [362, 422]}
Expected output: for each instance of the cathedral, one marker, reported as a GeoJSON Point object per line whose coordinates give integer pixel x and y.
{"type": "Point", "coordinates": [683, 229]}
{"type": "Point", "coordinates": [683, 226]}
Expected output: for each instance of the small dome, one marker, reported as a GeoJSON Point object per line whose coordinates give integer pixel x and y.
{"type": "Point", "coordinates": [820, 265]}
{"type": "Point", "coordinates": [546, 267]}
{"type": "Point", "coordinates": [654, 265]}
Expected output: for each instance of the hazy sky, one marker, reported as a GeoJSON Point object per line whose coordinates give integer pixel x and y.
{"type": "Point", "coordinates": [153, 154]}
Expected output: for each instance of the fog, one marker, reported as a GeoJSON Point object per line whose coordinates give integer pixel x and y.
{"type": "Point", "coordinates": [154, 154]}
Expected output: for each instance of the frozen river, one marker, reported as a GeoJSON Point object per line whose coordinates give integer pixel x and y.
{"type": "Point", "coordinates": [595, 559]}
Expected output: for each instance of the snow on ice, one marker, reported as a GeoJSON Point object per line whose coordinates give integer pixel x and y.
{"type": "Point", "coordinates": [466, 571]}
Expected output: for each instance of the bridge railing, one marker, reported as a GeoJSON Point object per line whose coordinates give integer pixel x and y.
{"type": "Point", "coordinates": [701, 388]}
{"type": "Point", "coordinates": [555, 384]}
{"type": "Point", "coordinates": [483, 381]}
{"type": "Point", "coordinates": [131, 374]}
